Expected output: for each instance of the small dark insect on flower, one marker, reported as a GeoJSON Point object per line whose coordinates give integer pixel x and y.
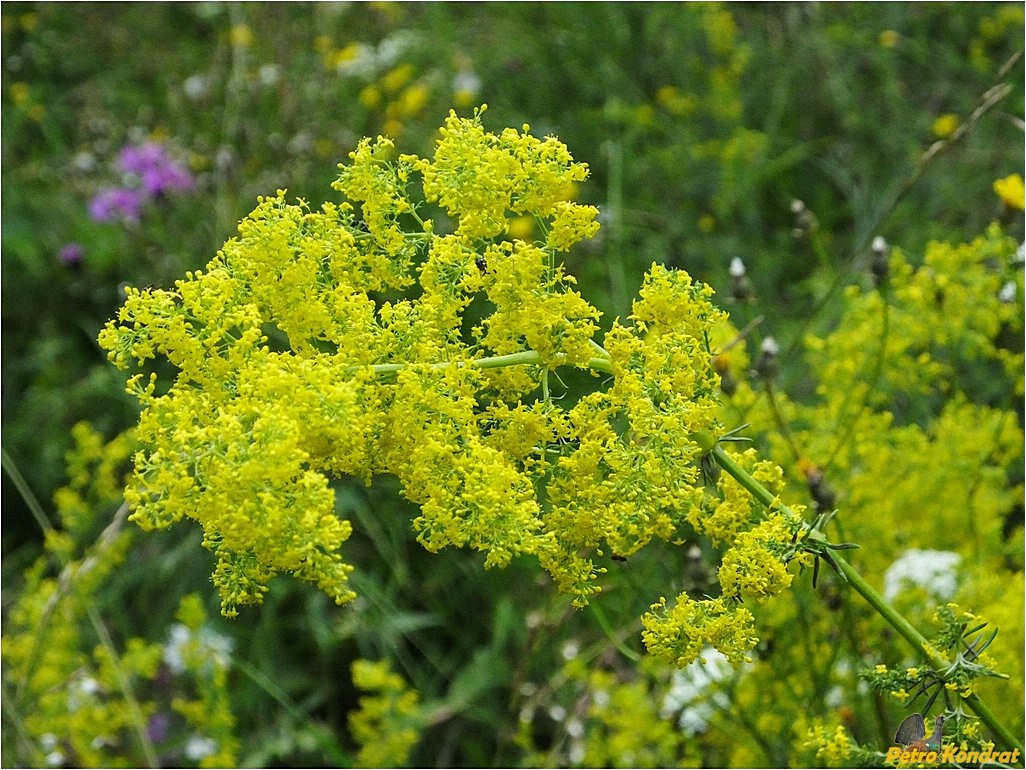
{"type": "Point", "coordinates": [482, 264]}
{"type": "Point", "coordinates": [912, 733]}
{"type": "Point", "coordinates": [618, 557]}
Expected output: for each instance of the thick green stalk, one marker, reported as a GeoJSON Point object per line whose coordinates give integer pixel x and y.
{"type": "Point", "coordinates": [897, 621]}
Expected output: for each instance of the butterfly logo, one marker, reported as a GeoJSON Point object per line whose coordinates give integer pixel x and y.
{"type": "Point", "coordinates": [912, 732]}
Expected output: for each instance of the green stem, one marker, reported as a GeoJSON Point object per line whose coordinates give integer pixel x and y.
{"type": "Point", "coordinates": [611, 633]}
{"type": "Point", "coordinates": [745, 479]}
{"type": "Point", "coordinates": [897, 621]}
{"type": "Point", "coordinates": [524, 358]}
{"type": "Point", "coordinates": [302, 718]}
{"type": "Point", "coordinates": [614, 207]}
{"type": "Point", "coordinates": [135, 712]}
{"type": "Point", "coordinates": [26, 491]}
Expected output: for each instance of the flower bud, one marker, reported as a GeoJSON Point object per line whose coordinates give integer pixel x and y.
{"type": "Point", "coordinates": [766, 367]}
{"type": "Point", "coordinates": [879, 266]}
{"type": "Point", "coordinates": [741, 288]}
{"type": "Point", "coordinates": [728, 385]}
{"type": "Point", "coordinates": [821, 491]}
{"type": "Point", "coordinates": [805, 220]}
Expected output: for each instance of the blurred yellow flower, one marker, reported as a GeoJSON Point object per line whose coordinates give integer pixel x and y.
{"type": "Point", "coordinates": [240, 36]}
{"type": "Point", "coordinates": [644, 114]}
{"type": "Point", "coordinates": [1010, 189]}
{"type": "Point", "coordinates": [370, 97]}
{"type": "Point", "coordinates": [463, 98]}
{"type": "Point", "coordinates": [674, 101]}
{"type": "Point", "coordinates": [521, 228]}
{"type": "Point", "coordinates": [889, 38]}
{"type": "Point", "coordinates": [397, 78]}
{"type": "Point", "coordinates": [336, 57]}
{"type": "Point", "coordinates": [198, 161]}
{"type": "Point", "coordinates": [19, 93]}
{"type": "Point", "coordinates": [945, 125]}
{"type": "Point", "coordinates": [392, 12]}
{"type": "Point", "coordinates": [324, 148]}
{"type": "Point", "coordinates": [412, 100]}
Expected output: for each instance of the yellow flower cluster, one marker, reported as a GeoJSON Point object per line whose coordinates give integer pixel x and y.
{"type": "Point", "coordinates": [479, 178]}
{"type": "Point", "coordinates": [680, 633]}
{"type": "Point", "coordinates": [83, 704]}
{"type": "Point", "coordinates": [756, 566]}
{"type": "Point", "coordinates": [960, 298]}
{"type": "Point", "coordinates": [728, 513]}
{"type": "Point", "coordinates": [96, 473]}
{"type": "Point", "coordinates": [338, 342]}
{"type": "Point", "coordinates": [761, 545]}
{"type": "Point", "coordinates": [388, 722]}
{"type": "Point", "coordinates": [833, 750]}
{"type": "Point", "coordinates": [624, 727]}
{"type": "Point", "coordinates": [67, 693]}
{"type": "Point", "coordinates": [915, 430]}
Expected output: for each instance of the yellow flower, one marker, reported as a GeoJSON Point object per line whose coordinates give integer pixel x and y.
{"type": "Point", "coordinates": [945, 125]}
{"type": "Point", "coordinates": [571, 223]}
{"type": "Point", "coordinates": [674, 101]}
{"type": "Point", "coordinates": [753, 567]}
{"type": "Point", "coordinates": [370, 96]}
{"type": "Point", "coordinates": [20, 93]}
{"type": "Point", "coordinates": [413, 100]}
{"type": "Point", "coordinates": [521, 228]}
{"type": "Point", "coordinates": [392, 12]}
{"type": "Point", "coordinates": [335, 58]}
{"type": "Point", "coordinates": [240, 36]}
{"type": "Point", "coordinates": [397, 78]}
{"type": "Point", "coordinates": [464, 97]}
{"type": "Point", "coordinates": [1010, 190]}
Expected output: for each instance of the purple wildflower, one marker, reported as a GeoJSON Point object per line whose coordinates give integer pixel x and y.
{"type": "Point", "coordinates": [116, 203]}
{"type": "Point", "coordinates": [156, 170]}
{"type": "Point", "coordinates": [71, 254]}
{"type": "Point", "coordinates": [157, 728]}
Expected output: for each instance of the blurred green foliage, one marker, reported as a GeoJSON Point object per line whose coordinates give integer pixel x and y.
{"type": "Point", "coordinates": [701, 123]}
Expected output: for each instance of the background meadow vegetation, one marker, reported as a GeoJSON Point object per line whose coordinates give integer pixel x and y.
{"type": "Point", "coordinates": [789, 135]}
